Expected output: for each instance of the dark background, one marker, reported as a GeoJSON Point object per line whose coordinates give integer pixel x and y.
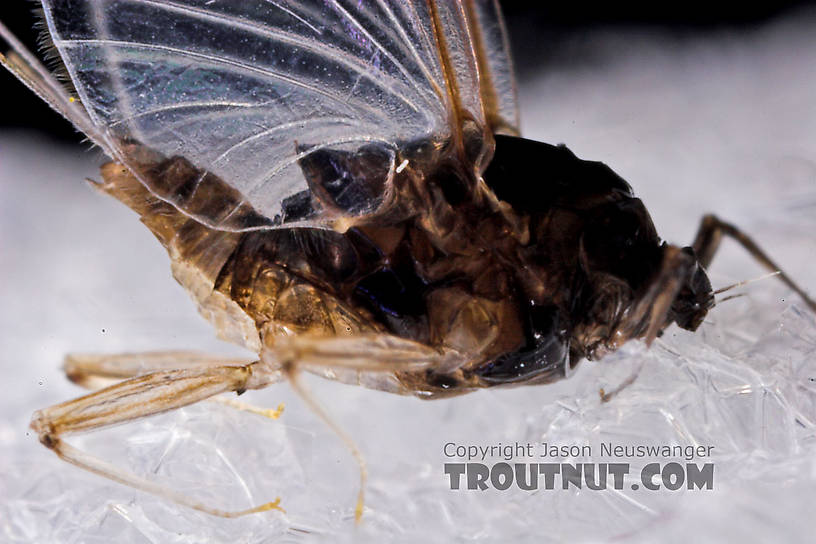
{"type": "Point", "coordinates": [559, 25]}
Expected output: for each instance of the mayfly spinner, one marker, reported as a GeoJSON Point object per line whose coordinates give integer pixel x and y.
{"type": "Point", "coordinates": [342, 188]}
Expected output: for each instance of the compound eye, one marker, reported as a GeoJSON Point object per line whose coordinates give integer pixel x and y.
{"type": "Point", "coordinates": [694, 299]}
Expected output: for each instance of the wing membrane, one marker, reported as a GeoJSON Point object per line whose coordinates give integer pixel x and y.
{"type": "Point", "coordinates": [247, 90]}
{"type": "Point", "coordinates": [498, 85]}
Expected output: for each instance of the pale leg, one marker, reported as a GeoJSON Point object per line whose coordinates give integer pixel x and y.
{"type": "Point", "coordinates": [140, 397]}
{"type": "Point", "coordinates": [365, 352]}
{"type": "Point", "coordinates": [203, 378]}
{"type": "Point", "coordinates": [95, 371]}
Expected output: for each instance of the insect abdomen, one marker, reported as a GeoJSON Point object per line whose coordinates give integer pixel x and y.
{"type": "Point", "coordinates": [273, 282]}
{"type": "Point", "coordinates": [197, 253]}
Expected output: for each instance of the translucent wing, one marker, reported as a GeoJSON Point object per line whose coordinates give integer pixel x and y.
{"type": "Point", "coordinates": [250, 91]}
{"type": "Point", "coordinates": [498, 84]}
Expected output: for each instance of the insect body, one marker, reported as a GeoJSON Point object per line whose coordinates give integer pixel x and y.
{"type": "Point", "coordinates": [342, 189]}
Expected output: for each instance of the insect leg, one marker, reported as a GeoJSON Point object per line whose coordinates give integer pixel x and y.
{"type": "Point", "coordinates": [136, 398]}
{"type": "Point", "coordinates": [292, 372]}
{"type": "Point", "coordinates": [246, 407]}
{"type": "Point", "coordinates": [95, 371]}
{"type": "Point", "coordinates": [368, 352]}
{"type": "Point", "coordinates": [31, 72]}
{"type": "Point", "coordinates": [376, 352]}
{"type": "Point", "coordinates": [648, 316]}
{"type": "Point", "coordinates": [708, 240]}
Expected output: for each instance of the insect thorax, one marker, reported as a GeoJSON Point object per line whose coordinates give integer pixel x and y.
{"type": "Point", "coordinates": [495, 269]}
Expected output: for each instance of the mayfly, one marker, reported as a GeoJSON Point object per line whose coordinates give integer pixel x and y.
{"type": "Point", "coordinates": [342, 188]}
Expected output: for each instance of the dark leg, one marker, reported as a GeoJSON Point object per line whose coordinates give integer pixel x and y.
{"type": "Point", "coordinates": [708, 240]}
{"type": "Point", "coordinates": [648, 316]}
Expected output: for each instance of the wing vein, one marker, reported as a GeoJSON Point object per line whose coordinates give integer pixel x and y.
{"type": "Point", "coordinates": [185, 105]}
{"type": "Point", "coordinates": [284, 126]}
{"type": "Point", "coordinates": [112, 61]}
{"type": "Point", "coordinates": [218, 61]}
{"type": "Point", "coordinates": [332, 53]}
{"type": "Point", "coordinates": [421, 63]}
{"type": "Point", "coordinates": [294, 15]}
{"type": "Point", "coordinates": [379, 46]}
{"type": "Point", "coordinates": [37, 78]}
{"type": "Point", "coordinates": [234, 87]}
{"type": "Point", "coordinates": [295, 158]}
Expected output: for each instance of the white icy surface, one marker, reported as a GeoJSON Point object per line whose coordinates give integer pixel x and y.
{"type": "Point", "coordinates": [725, 124]}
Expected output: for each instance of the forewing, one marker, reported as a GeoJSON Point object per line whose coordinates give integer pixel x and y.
{"type": "Point", "coordinates": [248, 91]}
{"type": "Point", "coordinates": [498, 84]}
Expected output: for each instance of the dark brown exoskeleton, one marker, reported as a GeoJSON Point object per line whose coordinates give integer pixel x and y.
{"type": "Point", "coordinates": [420, 246]}
{"type": "Point", "coordinates": [526, 276]}
{"type": "Point", "coordinates": [605, 275]}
